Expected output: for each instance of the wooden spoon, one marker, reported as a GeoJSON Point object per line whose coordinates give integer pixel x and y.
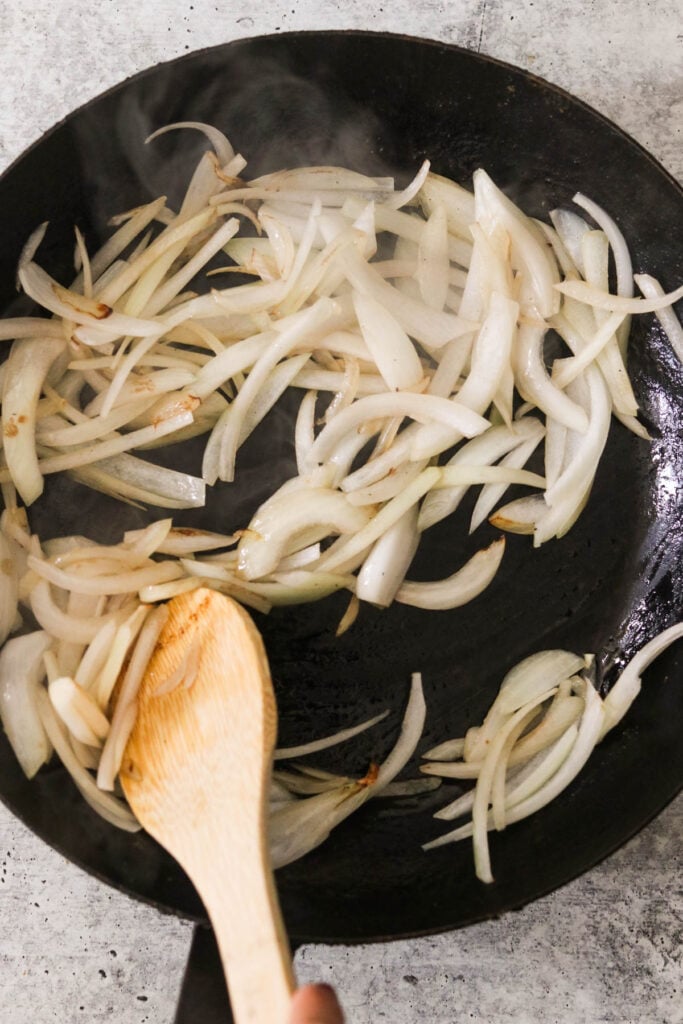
{"type": "Point", "coordinates": [196, 772]}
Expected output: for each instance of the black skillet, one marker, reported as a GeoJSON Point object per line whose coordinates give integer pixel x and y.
{"type": "Point", "coordinates": [383, 103]}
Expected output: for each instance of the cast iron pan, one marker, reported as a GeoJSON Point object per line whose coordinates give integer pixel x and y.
{"type": "Point", "coordinates": [382, 103]}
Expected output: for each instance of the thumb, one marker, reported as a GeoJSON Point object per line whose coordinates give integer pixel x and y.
{"type": "Point", "coordinates": [315, 1004]}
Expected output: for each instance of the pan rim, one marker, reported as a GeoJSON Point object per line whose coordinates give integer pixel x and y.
{"type": "Point", "coordinates": [483, 59]}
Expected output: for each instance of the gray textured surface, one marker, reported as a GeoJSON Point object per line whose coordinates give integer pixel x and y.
{"type": "Point", "coordinates": [607, 948]}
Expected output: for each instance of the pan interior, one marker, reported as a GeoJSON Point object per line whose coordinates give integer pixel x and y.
{"type": "Point", "coordinates": [607, 587]}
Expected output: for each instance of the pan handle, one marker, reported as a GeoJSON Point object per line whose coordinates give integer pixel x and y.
{"type": "Point", "coordinates": [204, 994]}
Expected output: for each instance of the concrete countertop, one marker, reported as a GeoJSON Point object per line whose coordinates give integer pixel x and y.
{"type": "Point", "coordinates": [606, 948]}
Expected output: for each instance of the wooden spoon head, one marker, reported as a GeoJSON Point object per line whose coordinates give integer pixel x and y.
{"type": "Point", "coordinates": [206, 722]}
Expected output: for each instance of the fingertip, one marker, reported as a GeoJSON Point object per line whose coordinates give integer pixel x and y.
{"type": "Point", "coordinates": [316, 1004]}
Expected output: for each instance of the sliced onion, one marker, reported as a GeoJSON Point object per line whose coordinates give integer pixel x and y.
{"type": "Point", "coordinates": [106, 257]}
{"type": "Point", "coordinates": [422, 408]}
{"type": "Point", "coordinates": [104, 682]}
{"type": "Point", "coordinates": [457, 201]}
{"type": "Point", "coordinates": [610, 360]}
{"type": "Point", "coordinates": [344, 557]}
{"type": "Point", "coordinates": [304, 434]}
{"type": "Point", "coordinates": [126, 476]}
{"type": "Point", "coordinates": [482, 796]}
{"type": "Point", "coordinates": [123, 583]}
{"type": "Point", "coordinates": [314, 746]}
{"type": "Point", "coordinates": [466, 475]}
{"type": "Point", "coordinates": [571, 368]}
{"type": "Point", "coordinates": [566, 496]}
{"type": "Point", "coordinates": [412, 727]}
{"type": "Point", "coordinates": [460, 588]}
{"type": "Point", "coordinates": [428, 326]}
{"type": "Point", "coordinates": [219, 457]}
{"type": "Point", "coordinates": [95, 655]}
{"type": "Point", "coordinates": [389, 345]}
{"type": "Point", "coordinates": [535, 674]}
{"type": "Point", "coordinates": [174, 285]}
{"type": "Point", "coordinates": [433, 264]}
{"type": "Point", "coordinates": [481, 451]}
{"type": "Point", "coordinates": [327, 178]}
{"type": "Point", "coordinates": [588, 735]}
{"type": "Point", "coordinates": [651, 289]}
{"type": "Point", "coordinates": [109, 807]}
{"type": "Point", "coordinates": [89, 453]}
{"type": "Point", "coordinates": [571, 228]}
{"type": "Point", "coordinates": [21, 671]}
{"type": "Point", "coordinates": [622, 257]}
{"type": "Point", "coordinates": [124, 715]}
{"type": "Point", "coordinates": [490, 354]}
{"type": "Point", "coordinates": [300, 826]}
{"type": "Point", "coordinates": [627, 687]}
{"type": "Point", "coordinates": [263, 544]}
{"type": "Point", "coordinates": [520, 784]}
{"type": "Point", "coordinates": [176, 235]}
{"type": "Point", "coordinates": [384, 570]}
{"type": "Point", "coordinates": [27, 367]}
{"type": "Point", "coordinates": [9, 587]}
{"type": "Point", "coordinates": [30, 248]}
{"type": "Point", "coordinates": [449, 750]}
{"type": "Point", "coordinates": [387, 488]}
{"type": "Point", "coordinates": [584, 292]}
{"type": "Point", "coordinates": [93, 429]}
{"type": "Point", "coordinates": [520, 516]}
{"type": "Point", "coordinates": [78, 711]}
{"type": "Point", "coordinates": [408, 788]}
{"type": "Point", "coordinates": [183, 540]}
{"type": "Point", "coordinates": [494, 210]}
{"type": "Point", "coordinates": [62, 625]}
{"type": "Point", "coordinates": [74, 307]}
{"type": "Point", "coordinates": [398, 199]}
{"type": "Point", "coordinates": [534, 384]}
{"type": "Point", "coordinates": [218, 140]}
{"type": "Point", "coordinates": [409, 228]}
{"type": "Point", "coordinates": [12, 328]}
{"type": "Point", "coordinates": [492, 493]}
{"type": "Point", "coordinates": [563, 712]}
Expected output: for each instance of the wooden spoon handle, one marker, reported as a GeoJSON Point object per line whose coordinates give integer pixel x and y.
{"type": "Point", "coordinates": [251, 939]}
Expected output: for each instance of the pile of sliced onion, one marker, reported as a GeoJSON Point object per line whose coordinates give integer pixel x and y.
{"type": "Point", "coordinates": [411, 321]}
{"type": "Point", "coordinates": [535, 739]}
{"type": "Point", "coordinates": [413, 324]}
{"type": "Point", "coordinates": [71, 686]}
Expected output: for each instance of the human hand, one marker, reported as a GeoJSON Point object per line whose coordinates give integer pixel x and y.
{"type": "Point", "coordinates": [315, 1004]}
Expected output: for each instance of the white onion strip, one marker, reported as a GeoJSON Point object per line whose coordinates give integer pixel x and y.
{"type": "Point", "coordinates": [460, 588]}
{"type": "Point", "coordinates": [384, 570]}
{"type": "Point", "coordinates": [467, 476]}
{"type": "Point", "coordinates": [422, 408]}
{"type": "Point", "coordinates": [61, 624]}
{"type": "Point", "coordinates": [29, 362]}
{"type": "Point", "coordinates": [123, 718]}
{"type": "Point", "coordinates": [584, 292]}
{"type": "Point", "coordinates": [314, 746]}
{"type": "Point", "coordinates": [482, 860]}
{"type": "Point", "coordinates": [338, 560]}
{"type": "Point", "coordinates": [627, 687]}
{"type": "Point", "coordinates": [622, 257]}
{"type": "Point", "coordinates": [652, 289]}
{"type": "Point", "coordinates": [21, 671]}
{"type": "Point", "coordinates": [108, 806]}
{"type": "Point", "coordinates": [122, 583]}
